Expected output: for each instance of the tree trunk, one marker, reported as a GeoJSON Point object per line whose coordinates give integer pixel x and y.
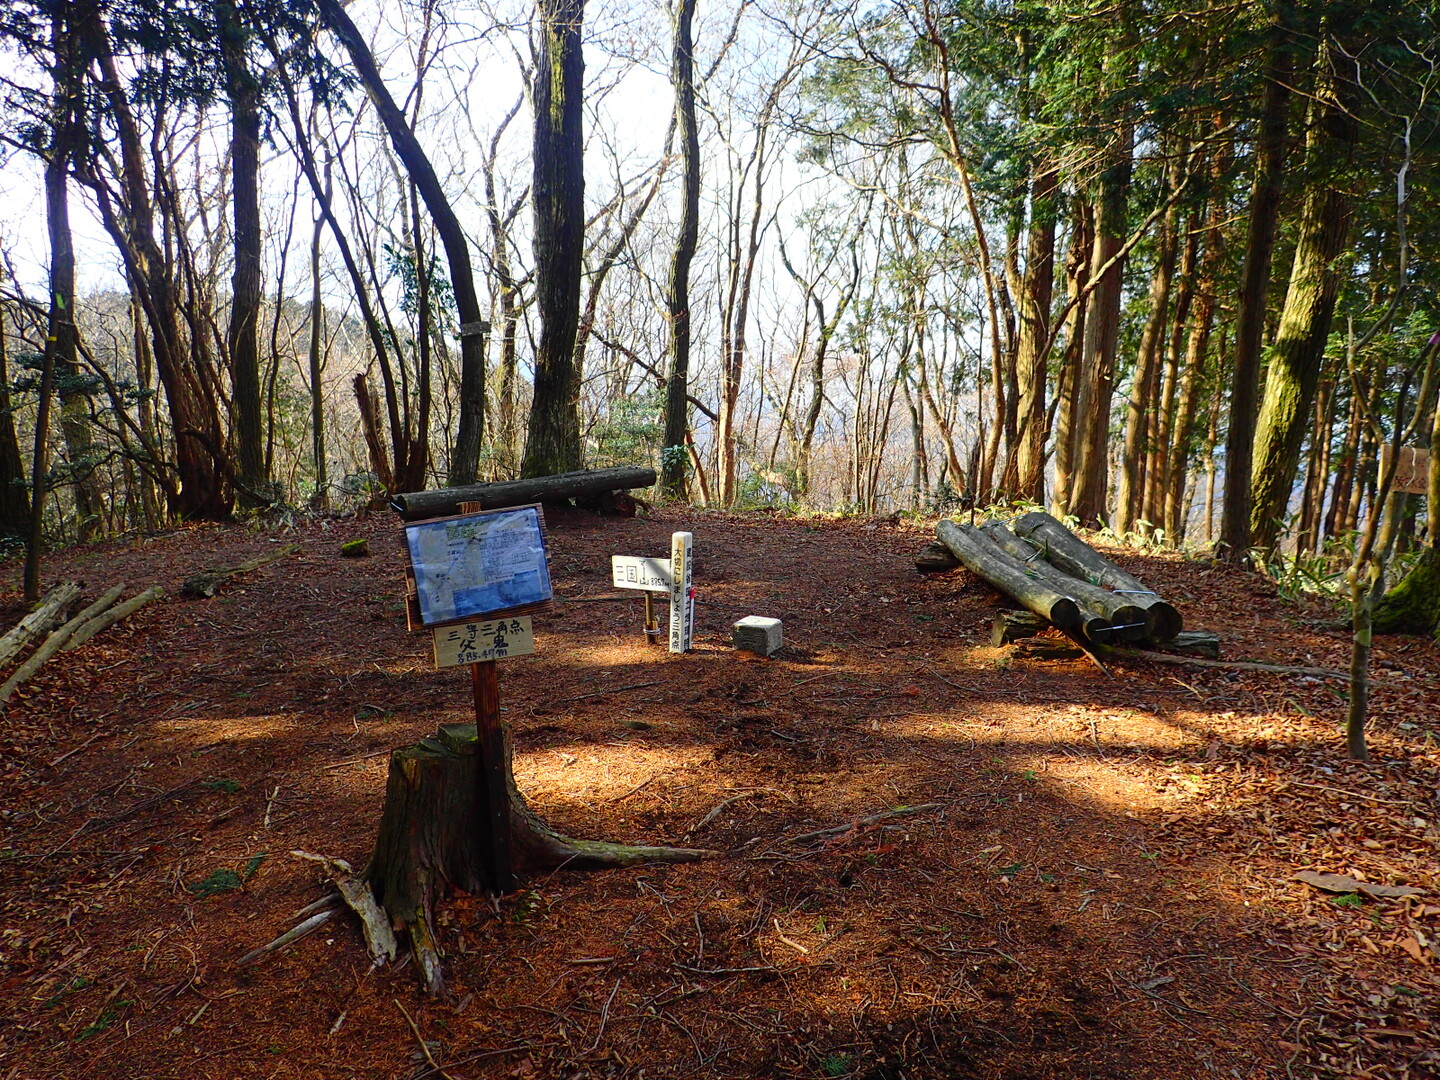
{"type": "Point", "coordinates": [1077, 558]}
{"type": "Point", "coordinates": [1265, 191]}
{"type": "Point", "coordinates": [1069, 418]}
{"type": "Point", "coordinates": [418, 505]}
{"type": "Point", "coordinates": [1128, 496]}
{"type": "Point", "coordinates": [1299, 350]}
{"type": "Point", "coordinates": [14, 506]}
{"type": "Point", "coordinates": [982, 558]}
{"type": "Point", "coordinates": [465, 459]}
{"type": "Point", "coordinates": [242, 337]}
{"type": "Point", "coordinates": [1120, 617]}
{"type": "Point", "coordinates": [129, 218]}
{"type": "Point", "coordinates": [1102, 329]}
{"type": "Point", "coordinates": [316, 358]}
{"type": "Point", "coordinates": [553, 441]}
{"type": "Point", "coordinates": [676, 415]}
{"type": "Point", "coordinates": [1036, 296]}
{"type": "Point", "coordinates": [431, 830]}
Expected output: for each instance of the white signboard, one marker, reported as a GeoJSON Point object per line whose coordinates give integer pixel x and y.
{"type": "Point", "coordinates": [478, 565]}
{"type": "Point", "coordinates": [471, 643]}
{"type": "Point", "coordinates": [682, 593]}
{"type": "Point", "coordinates": [634, 572]}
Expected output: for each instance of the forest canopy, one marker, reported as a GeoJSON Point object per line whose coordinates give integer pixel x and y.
{"type": "Point", "coordinates": [1155, 266]}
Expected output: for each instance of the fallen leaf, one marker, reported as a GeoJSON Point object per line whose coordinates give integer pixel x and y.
{"type": "Point", "coordinates": [1411, 946]}
{"type": "Point", "coordinates": [1341, 883]}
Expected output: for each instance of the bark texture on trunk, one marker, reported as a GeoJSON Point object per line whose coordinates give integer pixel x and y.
{"type": "Point", "coordinates": [1265, 191]}
{"type": "Point", "coordinates": [676, 414]}
{"type": "Point", "coordinates": [242, 337]}
{"type": "Point", "coordinates": [1298, 354]}
{"type": "Point", "coordinates": [553, 440]}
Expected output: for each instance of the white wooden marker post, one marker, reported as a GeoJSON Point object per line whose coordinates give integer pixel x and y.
{"type": "Point", "coordinates": [682, 592]}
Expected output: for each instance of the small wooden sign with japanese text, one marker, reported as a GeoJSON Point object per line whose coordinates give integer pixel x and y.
{"type": "Point", "coordinates": [474, 643]}
{"type": "Point", "coordinates": [636, 572]}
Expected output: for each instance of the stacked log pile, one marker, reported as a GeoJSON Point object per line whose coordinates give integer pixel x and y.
{"type": "Point", "coordinates": [1058, 577]}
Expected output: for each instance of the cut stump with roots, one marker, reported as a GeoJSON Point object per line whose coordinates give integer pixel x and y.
{"type": "Point", "coordinates": [434, 832]}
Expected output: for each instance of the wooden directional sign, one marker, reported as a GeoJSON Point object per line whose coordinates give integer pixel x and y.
{"type": "Point", "coordinates": [1412, 471]}
{"type": "Point", "coordinates": [474, 643]}
{"type": "Point", "coordinates": [634, 572]}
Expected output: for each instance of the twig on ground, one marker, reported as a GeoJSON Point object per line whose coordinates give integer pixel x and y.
{"type": "Point", "coordinates": [612, 690]}
{"type": "Point", "coordinates": [860, 823]}
{"type": "Point", "coordinates": [424, 1046]}
{"type": "Point", "coordinates": [294, 934]}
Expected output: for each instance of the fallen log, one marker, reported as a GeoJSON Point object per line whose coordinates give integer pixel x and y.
{"type": "Point", "coordinates": [1226, 665]}
{"type": "Point", "coordinates": [1068, 552]}
{"type": "Point", "coordinates": [1045, 648]}
{"type": "Point", "coordinates": [417, 505]}
{"type": "Point", "coordinates": [1202, 643]}
{"type": "Point", "coordinates": [431, 838]}
{"type": "Point", "coordinates": [56, 639]}
{"type": "Point", "coordinates": [1123, 620]}
{"type": "Point", "coordinates": [935, 558]}
{"type": "Point", "coordinates": [107, 619]}
{"type": "Point", "coordinates": [207, 582]}
{"type": "Point", "coordinates": [982, 558]}
{"type": "Point", "coordinates": [1010, 625]}
{"type": "Point", "coordinates": [48, 614]}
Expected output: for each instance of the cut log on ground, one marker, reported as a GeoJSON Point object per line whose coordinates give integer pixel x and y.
{"type": "Point", "coordinates": [207, 582]}
{"type": "Point", "coordinates": [48, 614]}
{"type": "Point", "coordinates": [418, 505]}
{"type": "Point", "coordinates": [55, 641]}
{"type": "Point", "coordinates": [430, 838]}
{"type": "Point", "coordinates": [1120, 620]}
{"type": "Point", "coordinates": [107, 619]}
{"type": "Point", "coordinates": [935, 558]}
{"type": "Point", "coordinates": [983, 559]}
{"type": "Point", "coordinates": [1069, 553]}
{"type": "Point", "coordinates": [1202, 643]}
{"type": "Point", "coordinates": [1011, 625]}
{"type": "Point", "coordinates": [1045, 648]}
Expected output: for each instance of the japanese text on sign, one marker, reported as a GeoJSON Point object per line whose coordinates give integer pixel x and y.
{"type": "Point", "coordinates": [682, 592]}
{"type": "Point", "coordinates": [634, 572]}
{"type": "Point", "coordinates": [474, 643]}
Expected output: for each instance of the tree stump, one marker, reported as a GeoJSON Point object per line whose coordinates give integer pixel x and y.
{"type": "Point", "coordinates": [433, 834]}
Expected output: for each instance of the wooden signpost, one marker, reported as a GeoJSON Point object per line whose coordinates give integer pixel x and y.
{"type": "Point", "coordinates": [1412, 470]}
{"type": "Point", "coordinates": [652, 576]}
{"type": "Point", "coordinates": [471, 578]}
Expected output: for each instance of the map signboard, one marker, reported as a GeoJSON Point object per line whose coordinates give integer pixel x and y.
{"type": "Point", "coordinates": [474, 566]}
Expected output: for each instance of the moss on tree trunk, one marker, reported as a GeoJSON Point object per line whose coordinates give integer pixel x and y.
{"type": "Point", "coordinates": [1412, 606]}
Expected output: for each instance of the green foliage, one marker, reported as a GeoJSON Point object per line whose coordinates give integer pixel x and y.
{"type": "Point", "coordinates": [104, 1021]}
{"type": "Point", "coordinates": [224, 880]}
{"type": "Point", "coordinates": [630, 432]}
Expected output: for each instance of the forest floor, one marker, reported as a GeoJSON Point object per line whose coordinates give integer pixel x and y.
{"type": "Point", "coordinates": [1103, 888]}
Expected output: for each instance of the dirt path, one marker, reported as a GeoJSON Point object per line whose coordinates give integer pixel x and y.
{"type": "Point", "coordinates": [1102, 890]}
